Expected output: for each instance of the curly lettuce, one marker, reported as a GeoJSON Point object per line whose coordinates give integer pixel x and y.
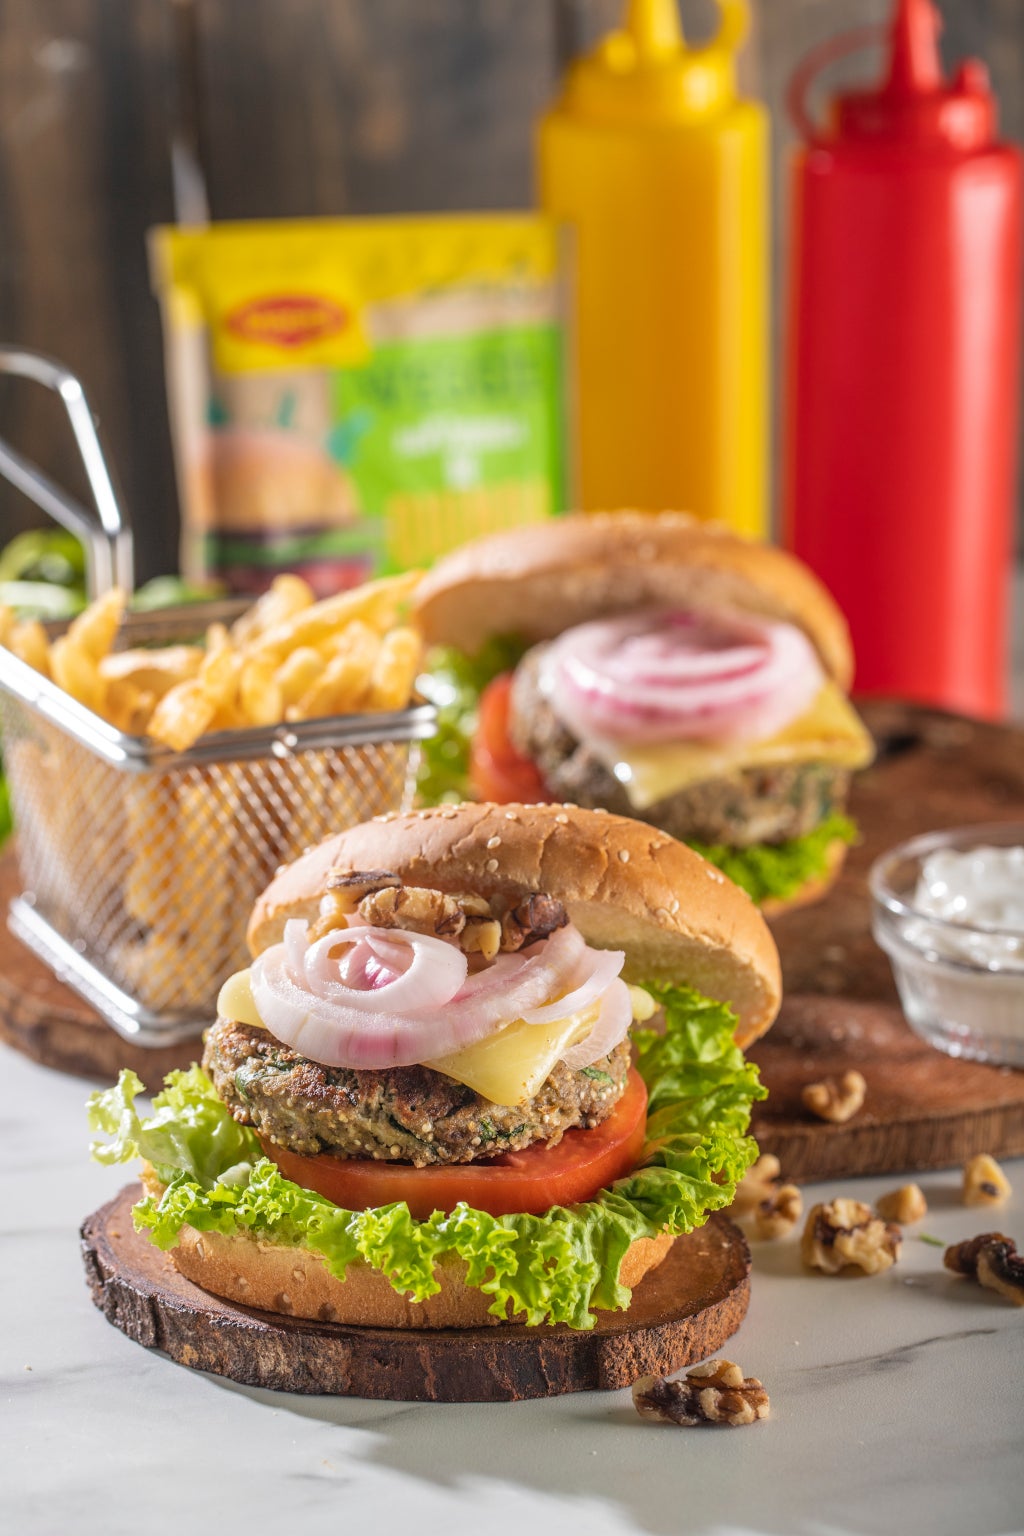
{"type": "Point", "coordinates": [776, 871]}
{"type": "Point", "coordinates": [554, 1268]}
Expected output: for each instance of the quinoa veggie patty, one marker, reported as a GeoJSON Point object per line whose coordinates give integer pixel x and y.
{"type": "Point", "coordinates": [402, 1114]}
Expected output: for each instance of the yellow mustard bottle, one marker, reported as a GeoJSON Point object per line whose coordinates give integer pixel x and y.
{"type": "Point", "coordinates": [661, 170]}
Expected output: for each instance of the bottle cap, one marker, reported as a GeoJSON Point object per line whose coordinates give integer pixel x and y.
{"type": "Point", "coordinates": [645, 73]}
{"type": "Point", "coordinates": [915, 103]}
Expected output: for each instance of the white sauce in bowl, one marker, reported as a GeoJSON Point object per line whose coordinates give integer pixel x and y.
{"type": "Point", "coordinates": [979, 890]}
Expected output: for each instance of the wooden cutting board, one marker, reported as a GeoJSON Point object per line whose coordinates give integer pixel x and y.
{"type": "Point", "coordinates": [681, 1312]}
{"type": "Point", "coordinates": [923, 1109]}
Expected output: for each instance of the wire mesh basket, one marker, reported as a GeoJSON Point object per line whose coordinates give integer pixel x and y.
{"type": "Point", "coordinates": [139, 865]}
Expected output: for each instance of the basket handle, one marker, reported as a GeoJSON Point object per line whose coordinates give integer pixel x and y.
{"type": "Point", "coordinates": [105, 532]}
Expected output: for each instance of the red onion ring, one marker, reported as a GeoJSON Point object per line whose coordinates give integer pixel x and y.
{"type": "Point", "coordinates": [312, 1000]}
{"type": "Point", "coordinates": [610, 1029]}
{"type": "Point", "coordinates": [681, 676]}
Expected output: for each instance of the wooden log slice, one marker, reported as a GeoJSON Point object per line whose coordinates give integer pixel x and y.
{"type": "Point", "coordinates": [923, 1109]}
{"type": "Point", "coordinates": [681, 1312]}
{"type": "Point", "coordinates": [45, 1020]}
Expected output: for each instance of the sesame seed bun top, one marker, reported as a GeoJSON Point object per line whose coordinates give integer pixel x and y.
{"type": "Point", "coordinates": [545, 578]}
{"type": "Point", "coordinates": [624, 884]}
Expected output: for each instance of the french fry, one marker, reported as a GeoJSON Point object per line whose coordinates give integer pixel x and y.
{"type": "Point", "coordinates": [341, 686]}
{"type": "Point", "coordinates": [183, 715]}
{"type": "Point", "coordinates": [219, 671]}
{"type": "Point", "coordinates": [260, 693]}
{"type": "Point", "coordinates": [287, 596]}
{"type": "Point", "coordinates": [297, 674]}
{"type": "Point", "coordinates": [127, 706]}
{"type": "Point", "coordinates": [394, 670]}
{"type": "Point", "coordinates": [95, 629]}
{"type": "Point", "coordinates": [29, 643]}
{"type": "Point", "coordinates": [153, 671]}
{"type": "Point", "coordinates": [376, 604]}
{"type": "Point", "coordinates": [74, 669]}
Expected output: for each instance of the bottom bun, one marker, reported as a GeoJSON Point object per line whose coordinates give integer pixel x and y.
{"type": "Point", "coordinates": [811, 890]}
{"type": "Point", "coordinates": [296, 1282]}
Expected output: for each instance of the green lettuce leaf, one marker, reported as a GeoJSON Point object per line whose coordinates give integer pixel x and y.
{"type": "Point", "coordinates": [554, 1268]}
{"type": "Point", "coordinates": [778, 870]}
{"type": "Point", "coordinates": [453, 683]}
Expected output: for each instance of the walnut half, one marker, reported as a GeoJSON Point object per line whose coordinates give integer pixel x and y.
{"type": "Point", "coordinates": [844, 1234]}
{"type": "Point", "coordinates": [756, 1185]}
{"type": "Point", "coordinates": [836, 1099]}
{"type": "Point", "coordinates": [778, 1213]}
{"type": "Point", "coordinates": [992, 1259]}
{"type": "Point", "coordinates": [716, 1392]}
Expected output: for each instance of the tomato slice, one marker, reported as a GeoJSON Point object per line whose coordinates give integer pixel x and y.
{"type": "Point", "coordinates": [528, 1182]}
{"type": "Point", "coordinates": [497, 771]}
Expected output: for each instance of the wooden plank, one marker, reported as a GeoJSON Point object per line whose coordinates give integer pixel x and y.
{"type": "Point", "coordinates": [83, 171]}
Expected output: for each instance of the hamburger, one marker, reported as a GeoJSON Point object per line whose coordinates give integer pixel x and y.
{"type": "Point", "coordinates": [661, 668]}
{"type": "Point", "coordinates": [486, 1065]}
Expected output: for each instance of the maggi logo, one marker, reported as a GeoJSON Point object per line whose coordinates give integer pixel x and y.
{"type": "Point", "coordinates": [286, 319]}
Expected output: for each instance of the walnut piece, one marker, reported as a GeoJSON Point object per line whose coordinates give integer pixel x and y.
{"type": "Point", "coordinates": [985, 1183]}
{"type": "Point", "coordinates": [716, 1392]}
{"type": "Point", "coordinates": [992, 1259]}
{"type": "Point", "coordinates": [756, 1185]}
{"type": "Point", "coordinates": [532, 919]}
{"type": "Point", "coordinates": [904, 1205]}
{"type": "Point", "coordinates": [835, 1099]}
{"type": "Point", "coordinates": [415, 908]}
{"type": "Point", "coordinates": [778, 1213]}
{"type": "Point", "coordinates": [845, 1234]}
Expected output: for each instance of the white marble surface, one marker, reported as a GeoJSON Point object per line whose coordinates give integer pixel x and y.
{"type": "Point", "coordinates": [897, 1403]}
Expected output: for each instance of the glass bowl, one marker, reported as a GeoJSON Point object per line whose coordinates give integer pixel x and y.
{"type": "Point", "coordinates": [961, 983]}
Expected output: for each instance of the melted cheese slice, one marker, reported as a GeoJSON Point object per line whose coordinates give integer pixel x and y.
{"type": "Point", "coordinates": [829, 732]}
{"type": "Point", "coordinates": [507, 1067]}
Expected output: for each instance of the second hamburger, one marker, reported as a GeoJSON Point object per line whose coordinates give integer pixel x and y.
{"type": "Point", "coordinates": [666, 670]}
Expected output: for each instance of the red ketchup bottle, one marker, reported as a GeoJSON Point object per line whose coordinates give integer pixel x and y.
{"type": "Point", "coordinates": [902, 368]}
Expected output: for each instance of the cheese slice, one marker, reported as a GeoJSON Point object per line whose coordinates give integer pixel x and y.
{"type": "Point", "coordinates": [507, 1067]}
{"type": "Point", "coordinates": [828, 732]}
{"type": "Point", "coordinates": [236, 1002]}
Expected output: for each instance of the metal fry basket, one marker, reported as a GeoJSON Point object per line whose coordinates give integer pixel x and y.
{"type": "Point", "coordinates": [139, 865]}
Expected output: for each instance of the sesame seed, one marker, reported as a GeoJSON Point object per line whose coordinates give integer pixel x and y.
{"type": "Point", "coordinates": [491, 866]}
{"type": "Point", "coordinates": [284, 1302]}
{"type": "Point", "coordinates": [562, 820]}
{"type": "Point", "coordinates": [448, 815]}
{"type": "Point", "coordinates": [241, 1283]}
{"type": "Point", "coordinates": [395, 1151]}
{"type": "Point", "coordinates": [493, 842]}
{"type": "Point", "coordinates": [299, 1275]}
{"type": "Point", "coordinates": [662, 912]}
{"type": "Point", "coordinates": [674, 908]}
{"type": "Point", "coordinates": [511, 816]}
{"type": "Point", "coordinates": [624, 855]}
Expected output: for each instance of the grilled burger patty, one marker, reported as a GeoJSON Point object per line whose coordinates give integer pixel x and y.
{"type": "Point", "coordinates": [402, 1114]}
{"type": "Point", "coordinates": [757, 805]}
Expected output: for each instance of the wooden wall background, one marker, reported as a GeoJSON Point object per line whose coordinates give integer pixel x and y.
{"type": "Point", "coordinates": [296, 107]}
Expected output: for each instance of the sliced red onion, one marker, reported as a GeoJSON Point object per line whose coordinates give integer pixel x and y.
{"type": "Point", "coordinates": [337, 1010]}
{"type": "Point", "coordinates": [597, 970]}
{"type": "Point", "coordinates": [681, 676]}
{"type": "Point", "coordinates": [611, 1028]}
